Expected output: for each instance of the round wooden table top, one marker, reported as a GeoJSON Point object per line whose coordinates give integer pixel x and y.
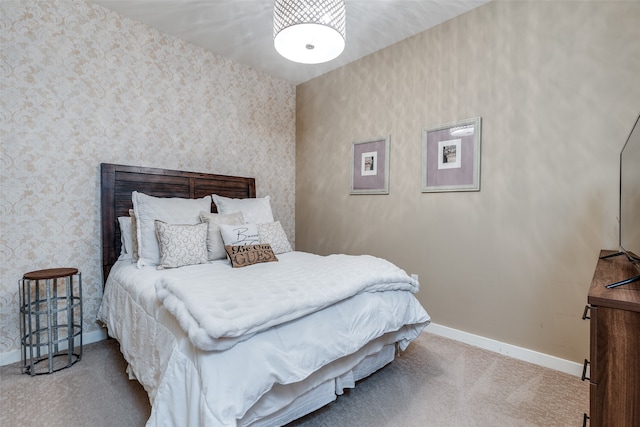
{"type": "Point", "coordinates": [50, 273]}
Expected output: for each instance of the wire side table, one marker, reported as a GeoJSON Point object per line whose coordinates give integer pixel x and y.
{"type": "Point", "coordinates": [51, 320]}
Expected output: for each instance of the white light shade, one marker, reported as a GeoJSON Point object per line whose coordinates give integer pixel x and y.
{"type": "Point", "coordinates": [309, 31]}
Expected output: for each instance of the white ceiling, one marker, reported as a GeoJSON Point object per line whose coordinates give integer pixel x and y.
{"type": "Point", "coordinates": [243, 29]}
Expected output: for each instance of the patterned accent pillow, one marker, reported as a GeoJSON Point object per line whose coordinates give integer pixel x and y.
{"type": "Point", "coordinates": [239, 235]}
{"type": "Point", "coordinates": [241, 256]}
{"type": "Point", "coordinates": [181, 244]}
{"type": "Point", "coordinates": [273, 234]}
{"type": "Point", "coordinates": [215, 245]}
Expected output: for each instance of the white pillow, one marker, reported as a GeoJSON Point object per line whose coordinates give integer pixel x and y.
{"type": "Point", "coordinates": [273, 234]}
{"type": "Point", "coordinates": [181, 244]}
{"type": "Point", "coordinates": [134, 236]}
{"type": "Point", "coordinates": [240, 235]}
{"type": "Point", "coordinates": [215, 245]}
{"type": "Point", "coordinates": [126, 237]}
{"type": "Point", "coordinates": [171, 210]}
{"type": "Point", "coordinates": [255, 210]}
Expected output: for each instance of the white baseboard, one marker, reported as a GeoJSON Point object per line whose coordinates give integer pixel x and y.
{"type": "Point", "coordinates": [516, 352]}
{"type": "Point", "coordinates": [88, 338]}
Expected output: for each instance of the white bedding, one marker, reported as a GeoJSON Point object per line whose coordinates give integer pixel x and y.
{"type": "Point", "coordinates": [218, 306]}
{"type": "Point", "coordinates": [254, 378]}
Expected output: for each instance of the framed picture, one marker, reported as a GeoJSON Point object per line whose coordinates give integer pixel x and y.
{"type": "Point", "coordinates": [370, 166]}
{"type": "Point", "coordinates": [451, 157]}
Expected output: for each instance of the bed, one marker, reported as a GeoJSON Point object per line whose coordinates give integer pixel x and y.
{"type": "Point", "coordinates": [258, 345]}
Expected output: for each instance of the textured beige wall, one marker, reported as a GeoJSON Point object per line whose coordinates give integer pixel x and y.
{"type": "Point", "coordinates": [556, 84]}
{"type": "Point", "coordinates": [80, 85]}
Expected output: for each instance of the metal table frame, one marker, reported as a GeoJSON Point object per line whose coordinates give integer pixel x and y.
{"type": "Point", "coordinates": [48, 309]}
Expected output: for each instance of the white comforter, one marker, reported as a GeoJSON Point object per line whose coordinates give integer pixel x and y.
{"type": "Point", "coordinates": [257, 377]}
{"type": "Point", "coordinates": [218, 306]}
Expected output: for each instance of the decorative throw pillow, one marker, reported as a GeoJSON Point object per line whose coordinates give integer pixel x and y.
{"type": "Point", "coordinates": [255, 210]}
{"type": "Point", "coordinates": [172, 210]}
{"type": "Point", "coordinates": [126, 245]}
{"type": "Point", "coordinates": [242, 256]}
{"type": "Point", "coordinates": [273, 234]}
{"type": "Point", "coordinates": [239, 235]}
{"type": "Point", "coordinates": [215, 245]}
{"type": "Point", "coordinates": [181, 244]}
{"type": "Point", "coordinates": [134, 236]}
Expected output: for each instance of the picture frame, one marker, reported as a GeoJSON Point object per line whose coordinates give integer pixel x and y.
{"type": "Point", "coordinates": [451, 156]}
{"type": "Point", "coordinates": [370, 166]}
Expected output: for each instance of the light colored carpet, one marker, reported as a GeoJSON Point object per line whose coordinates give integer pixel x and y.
{"type": "Point", "coordinates": [436, 382]}
{"type": "Point", "coordinates": [95, 391]}
{"type": "Point", "coordinates": [441, 382]}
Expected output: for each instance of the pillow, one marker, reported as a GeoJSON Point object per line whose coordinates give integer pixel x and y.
{"type": "Point", "coordinates": [215, 245]}
{"type": "Point", "coordinates": [257, 211]}
{"type": "Point", "coordinates": [172, 210]}
{"type": "Point", "coordinates": [134, 236]}
{"type": "Point", "coordinates": [242, 256]}
{"type": "Point", "coordinates": [239, 235]}
{"type": "Point", "coordinates": [181, 244]}
{"type": "Point", "coordinates": [273, 234]}
{"type": "Point", "coordinates": [126, 247]}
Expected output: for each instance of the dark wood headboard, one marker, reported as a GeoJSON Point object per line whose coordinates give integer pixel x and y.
{"type": "Point", "coordinates": [119, 181]}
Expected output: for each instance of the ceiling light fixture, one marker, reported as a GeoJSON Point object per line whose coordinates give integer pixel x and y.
{"type": "Point", "coordinates": [309, 31]}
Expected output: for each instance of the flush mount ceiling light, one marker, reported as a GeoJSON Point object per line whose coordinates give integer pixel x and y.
{"type": "Point", "coordinates": [309, 31]}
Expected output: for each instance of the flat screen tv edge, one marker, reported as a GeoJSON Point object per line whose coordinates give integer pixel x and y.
{"type": "Point", "coordinates": [629, 215]}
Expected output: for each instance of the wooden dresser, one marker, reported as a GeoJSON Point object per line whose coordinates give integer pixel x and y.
{"type": "Point", "coordinates": [615, 345]}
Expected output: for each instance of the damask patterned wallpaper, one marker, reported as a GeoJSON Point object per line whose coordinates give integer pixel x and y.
{"type": "Point", "coordinates": [81, 85]}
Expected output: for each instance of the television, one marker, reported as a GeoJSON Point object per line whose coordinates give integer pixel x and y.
{"type": "Point", "coordinates": [629, 216]}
